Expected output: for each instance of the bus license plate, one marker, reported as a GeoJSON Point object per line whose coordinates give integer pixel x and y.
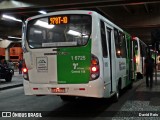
{"type": "Point", "coordinates": [58, 90]}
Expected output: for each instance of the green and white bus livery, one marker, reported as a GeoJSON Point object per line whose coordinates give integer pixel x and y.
{"type": "Point", "coordinates": [140, 52]}
{"type": "Point", "coordinates": [75, 53]}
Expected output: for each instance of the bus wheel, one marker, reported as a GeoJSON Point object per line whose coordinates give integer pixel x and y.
{"type": "Point", "coordinates": [139, 76]}
{"type": "Point", "coordinates": [130, 85]}
{"type": "Point", "coordinates": [68, 98]}
{"type": "Point", "coordinates": [117, 94]}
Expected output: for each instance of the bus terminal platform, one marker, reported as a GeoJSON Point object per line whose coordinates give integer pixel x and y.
{"type": "Point", "coordinates": [155, 88]}
{"type": "Point", "coordinates": [136, 101]}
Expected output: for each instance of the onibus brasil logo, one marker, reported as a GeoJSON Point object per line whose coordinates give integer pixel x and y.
{"type": "Point", "coordinates": [21, 114]}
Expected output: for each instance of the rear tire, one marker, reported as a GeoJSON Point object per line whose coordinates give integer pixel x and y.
{"type": "Point", "coordinates": [139, 76]}
{"type": "Point", "coordinates": [130, 85]}
{"type": "Point", "coordinates": [117, 94]}
{"type": "Point", "coordinates": [68, 98]}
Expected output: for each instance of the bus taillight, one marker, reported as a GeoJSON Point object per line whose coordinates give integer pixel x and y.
{"type": "Point", "coordinates": [94, 70]}
{"type": "Point", "coordinates": [134, 59]}
{"type": "Point", "coordinates": [24, 70]}
{"type": "Point", "coordinates": [25, 73]}
{"type": "Point", "coordinates": [134, 38]}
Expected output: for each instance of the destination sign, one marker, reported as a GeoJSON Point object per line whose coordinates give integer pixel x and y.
{"type": "Point", "coordinates": [57, 20]}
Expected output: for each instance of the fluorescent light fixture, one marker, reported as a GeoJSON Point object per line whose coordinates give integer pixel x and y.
{"type": "Point", "coordinates": [42, 12]}
{"type": "Point", "coordinates": [37, 31]}
{"type": "Point", "coordinates": [85, 36]}
{"type": "Point", "coordinates": [11, 18]}
{"type": "Point", "coordinates": [44, 24]}
{"type": "Point", "coordinates": [75, 33]}
{"type": "Point", "coordinates": [15, 37]}
{"type": "Point", "coordinates": [31, 46]}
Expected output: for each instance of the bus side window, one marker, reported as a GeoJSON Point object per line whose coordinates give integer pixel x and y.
{"type": "Point", "coordinates": [50, 36]}
{"type": "Point", "coordinates": [103, 39]}
{"type": "Point", "coordinates": [136, 47]}
{"type": "Point", "coordinates": [117, 43]}
{"type": "Point", "coordinates": [123, 45]}
{"type": "Point", "coordinates": [120, 43]}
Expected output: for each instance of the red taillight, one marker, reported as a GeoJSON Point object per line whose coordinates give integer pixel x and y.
{"type": "Point", "coordinates": [81, 88]}
{"type": "Point", "coordinates": [134, 59]}
{"type": "Point", "coordinates": [94, 70]}
{"type": "Point", "coordinates": [94, 62]}
{"type": "Point", "coordinates": [25, 73]}
{"type": "Point", "coordinates": [24, 70]}
{"type": "Point", "coordinates": [134, 38]}
{"type": "Point", "coordinates": [35, 88]}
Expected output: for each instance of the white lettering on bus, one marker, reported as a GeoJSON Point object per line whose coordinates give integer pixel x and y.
{"type": "Point", "coordinates": [78, 58]}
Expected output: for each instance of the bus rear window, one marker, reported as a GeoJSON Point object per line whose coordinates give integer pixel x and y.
{"type": "Point", "coordinates": [74, 31]}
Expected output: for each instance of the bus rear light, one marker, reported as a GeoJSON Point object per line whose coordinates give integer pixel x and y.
{"type": "Point", "coordinates": [89, 13]}
{"type": "Point", "coordinates": [81, 88]}
{"type": "Point", "coordinates": [24, 70]}
{"type": "Point", "coordinates": [94, 76]}
{"type": "Point", "coordinates": [134, 38]}
{"type": "Point", "coordinates": [94, 69]}
{"type": "Point", "coordinates": [25, 76]}
{"type": "Point", "coordinates": [134, 59]}
{"type": "Point", "coordinates": [35, 88]}
{"type": "Point", "coordinates": [94, 62]}
{"type": "Point", "coordinates": [25, 73]}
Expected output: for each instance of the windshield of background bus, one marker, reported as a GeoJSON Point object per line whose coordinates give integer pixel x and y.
{"type": "Point", "coordinates": [75, 32]}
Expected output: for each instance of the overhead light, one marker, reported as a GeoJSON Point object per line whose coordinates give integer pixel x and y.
{"type": "Point", "coordinates": [75, 33]}
{"type": "Point", "coordinates": [14, 37]}
{"type": "Point", "coordinates": [84, 35]}
{"type": "Point", "coordinates": [44, 24]}
{"type": "Point", "coordinates": [42, 12]}
{"type": "Point", "coordinates": [11, 18]}
{"type": "Point", "coordinates": [37, 31]}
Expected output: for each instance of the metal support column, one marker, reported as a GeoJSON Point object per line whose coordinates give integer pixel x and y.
{"type": "Point", "coordinates": [155, 63]}
{"type": "Point", "coordinates": [7, 54]}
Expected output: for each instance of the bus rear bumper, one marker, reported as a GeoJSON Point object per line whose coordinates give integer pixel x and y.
{"type": "Point", "coordinates": [92, 89]}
